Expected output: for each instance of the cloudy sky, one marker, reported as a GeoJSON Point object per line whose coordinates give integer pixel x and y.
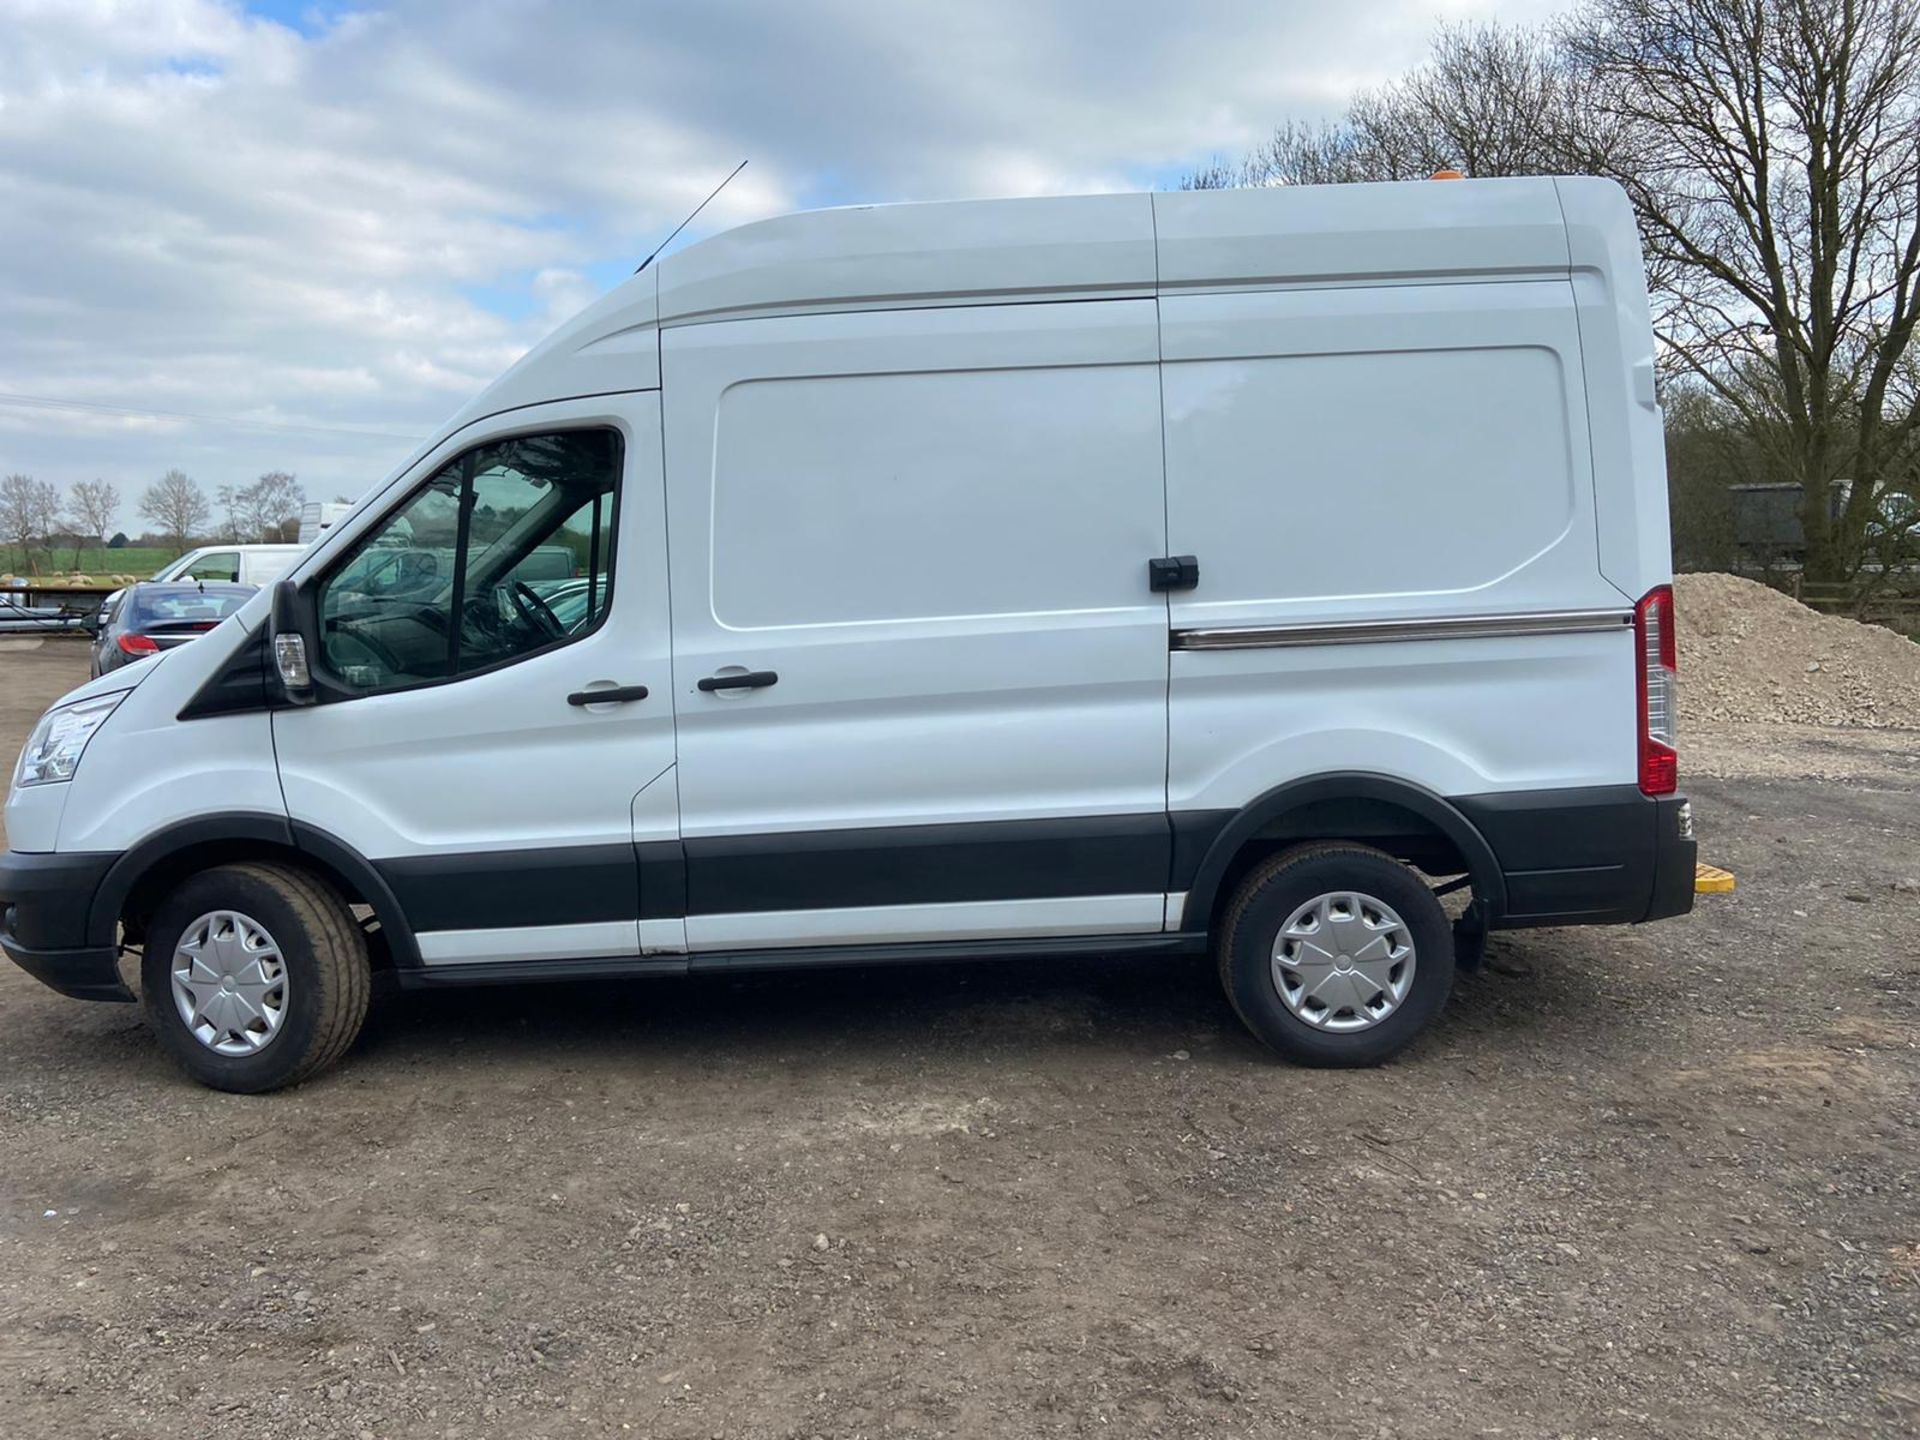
{"type": "Point", "coordinates": [246, 236]}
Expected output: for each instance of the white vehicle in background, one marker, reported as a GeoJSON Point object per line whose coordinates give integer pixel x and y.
{"type": "Point", "coordinates": [258, 565]}
{"type": "Point", "coordinates": [319, 516]}
{"type": "Point", "coordinates": [1226, 571]}
{"type": "Point", "coordinates": [255, 565]}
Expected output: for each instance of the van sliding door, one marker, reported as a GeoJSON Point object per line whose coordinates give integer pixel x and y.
{"type": "Point", "coordinates": [916, 543]}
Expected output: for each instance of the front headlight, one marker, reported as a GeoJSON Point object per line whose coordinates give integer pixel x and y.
{"type": "Point", "coordinates": [53, 750]}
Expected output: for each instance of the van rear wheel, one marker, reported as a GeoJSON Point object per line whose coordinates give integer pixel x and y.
{"type": "Point", "coordinates": [1335, 954]}
{"type": "Point", "coordinates": [255, 976]}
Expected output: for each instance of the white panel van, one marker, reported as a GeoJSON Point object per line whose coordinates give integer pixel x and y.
{"type": "Point", "coordinates": [239, 564]}
{"type": "Point", "coordinates": [318, 516]}
{"type": "Point", "coordinates": [1144, 573]}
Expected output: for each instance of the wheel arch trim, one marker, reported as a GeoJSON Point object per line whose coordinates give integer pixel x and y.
{"type": "Point", "coordinates": [1245, 825]}
{"type": "Point", "coordinates": [324, 851]}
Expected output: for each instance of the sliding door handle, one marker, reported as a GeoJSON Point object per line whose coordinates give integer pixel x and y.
{"type": "Point", "coordinates": [611, 695]}
{"type": "Point", "coordinates": [1173, 572]}
{"type": "Point", "coordinates": [738, 680]}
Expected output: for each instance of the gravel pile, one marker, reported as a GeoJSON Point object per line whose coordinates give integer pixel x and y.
{"type": "Point", "coordinates": [1750, 653]}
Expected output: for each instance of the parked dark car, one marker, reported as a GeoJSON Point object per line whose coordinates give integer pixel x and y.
{"type": "Point", "coordinates": [147, 618]}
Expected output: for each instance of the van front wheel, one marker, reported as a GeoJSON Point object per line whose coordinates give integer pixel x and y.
{"type": "Point", "coordinates": [1335, 954]}
{"type": "Point", "coordinates": [255, 976]}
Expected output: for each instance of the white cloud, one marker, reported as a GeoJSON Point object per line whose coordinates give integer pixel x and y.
{"type": "Point", "coordinates": [210, 213]}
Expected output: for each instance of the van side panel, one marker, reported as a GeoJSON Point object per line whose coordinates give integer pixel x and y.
{"type": "Point", "coordinates": [1411, 459]}
{"type": "Point", "coordinates": [1616, 340]}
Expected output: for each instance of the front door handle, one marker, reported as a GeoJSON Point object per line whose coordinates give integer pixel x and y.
{"type": "Point", "coordinates": [612, 695]}
{"type": "Point", "coordinates": [739, 680]}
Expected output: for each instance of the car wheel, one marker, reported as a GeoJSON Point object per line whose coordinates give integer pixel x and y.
{"type": "Point", "coordinates": [1335, 954]}
{"type": "Point", "coordinates": [255, 976]}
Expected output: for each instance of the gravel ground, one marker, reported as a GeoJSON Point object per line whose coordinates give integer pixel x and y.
{"type": "Point", "coordinates": [1648, 1182]}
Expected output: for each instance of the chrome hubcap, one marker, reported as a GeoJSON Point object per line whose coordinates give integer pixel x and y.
{"type": "Point", "coordinates": [230, 983]}
{"type": "Point", "coordinates": [1343, 961]}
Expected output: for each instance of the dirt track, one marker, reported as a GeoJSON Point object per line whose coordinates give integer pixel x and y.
{"type": "Point", "coordinates": [1646, 1182]}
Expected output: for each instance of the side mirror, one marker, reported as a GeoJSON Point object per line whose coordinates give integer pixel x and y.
{"type": "Point", "coordinates": [291, 636]}
{"type": "Point", "coordinates": [91, 623]}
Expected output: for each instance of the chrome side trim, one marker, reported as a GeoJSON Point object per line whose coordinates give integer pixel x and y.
{"type": "Point", "coordinates": [1376, 632]}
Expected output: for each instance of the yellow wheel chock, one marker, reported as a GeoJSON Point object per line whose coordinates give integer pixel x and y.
{"type": "Point", "coordinates": [1711, 880]}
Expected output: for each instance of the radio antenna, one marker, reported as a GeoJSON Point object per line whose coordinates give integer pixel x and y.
{"type": "Point", "coordinates": [689, 220]}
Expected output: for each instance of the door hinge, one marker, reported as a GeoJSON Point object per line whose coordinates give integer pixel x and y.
{"type": "Point", "coordinates": [1173, 572]}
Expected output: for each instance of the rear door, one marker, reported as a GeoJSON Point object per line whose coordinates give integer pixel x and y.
{"type": "Point", "coordinates": [919, 674]}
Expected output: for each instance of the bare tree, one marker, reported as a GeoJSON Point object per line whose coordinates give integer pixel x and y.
{"type": "Point", "coordinates": [271, 507]}
{"type": "Point", "coordinates": [29, 509]}
{"type": "Point", "coordinates": [226, 500]}
{"type": "Point", "coordinates": [1709, 449]}
{"type": "Point", "coordinates": [267, 510]}
{"type": "Point", "coordinates": [91, 508]}
{"type": "Point", "coordinates": [1772, 148]}
{"type": "Point", "coordinates": [176, 506]}
{"type": "Point", "coordinates": [1491, 100]}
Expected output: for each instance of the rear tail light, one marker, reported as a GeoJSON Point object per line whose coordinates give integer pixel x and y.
{"type": "Point", "coordinates": [1658, 667]}
{"type": "Point", "coordinates": [137, 645]}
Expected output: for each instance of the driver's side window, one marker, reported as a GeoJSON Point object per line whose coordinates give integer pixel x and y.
{"type": "Point", "coordinates": [506, 552]}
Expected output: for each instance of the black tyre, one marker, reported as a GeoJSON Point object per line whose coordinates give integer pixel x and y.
{"type": "Point", "coordinates": [1335, 954]}
{"type": "Point", "coordinates": [255, 976]}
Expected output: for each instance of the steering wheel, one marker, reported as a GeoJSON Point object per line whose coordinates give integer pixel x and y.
{"type": "Point", "coordinates": [536, 611]}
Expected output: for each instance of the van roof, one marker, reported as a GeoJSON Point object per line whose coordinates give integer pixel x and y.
{"type": "Point", "coordinates": [973, 252]}
{"type": "Point", "coordinates": [1065, 247]}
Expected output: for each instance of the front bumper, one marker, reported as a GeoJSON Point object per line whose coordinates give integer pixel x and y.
{"type": "Point", "coordinates": [44, 904]}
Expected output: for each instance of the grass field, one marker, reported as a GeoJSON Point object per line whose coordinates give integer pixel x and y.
{"type": "Point", "coordinates": [138, 560]}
